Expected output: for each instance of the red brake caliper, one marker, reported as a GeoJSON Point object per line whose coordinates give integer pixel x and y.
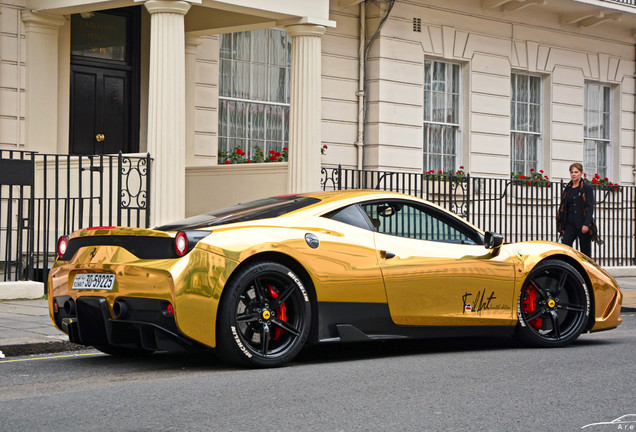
{"type": "Point", "coordinates": [529, 305]}
{"type": "Point", "coordinates": [281, 313]}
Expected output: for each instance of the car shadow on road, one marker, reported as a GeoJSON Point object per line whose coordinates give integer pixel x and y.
{"type": "Point", "coordinates": [326, 353]}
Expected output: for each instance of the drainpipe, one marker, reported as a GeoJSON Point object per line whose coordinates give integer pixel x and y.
{"type": "Point", "coordinates": [360, 92]}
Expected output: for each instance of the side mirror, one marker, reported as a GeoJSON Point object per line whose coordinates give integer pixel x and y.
{"type": "Point", "coordinates": [493, 242]}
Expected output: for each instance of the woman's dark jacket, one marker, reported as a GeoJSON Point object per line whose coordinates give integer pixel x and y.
{"type": "Point", "coordinates": [577, 206]}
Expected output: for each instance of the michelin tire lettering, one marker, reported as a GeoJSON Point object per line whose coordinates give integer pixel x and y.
{"type": "Point", "coordinates": [239, 343]}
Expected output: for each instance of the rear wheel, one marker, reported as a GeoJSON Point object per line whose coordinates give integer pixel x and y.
{"type": "Point", "coordinates": [553, 306]}
{"type": "Point", "coordinates": [264, 317]}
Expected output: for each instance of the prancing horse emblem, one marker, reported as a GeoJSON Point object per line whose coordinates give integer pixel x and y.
{"type": "Point", "coordinates": [93, 253]}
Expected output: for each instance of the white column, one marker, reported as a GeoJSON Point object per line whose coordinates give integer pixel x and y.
{"type": "Point", "coordinates": [41, 31]}
{"type": "Point", "coordinates": [305, 108]}
{"type": "Point", "coordinates": [192, 44]}
{"type": "Point", "coordinates": [166, 109]}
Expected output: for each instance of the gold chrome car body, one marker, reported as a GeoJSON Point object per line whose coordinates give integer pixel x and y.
{"type": "Point", "coordinates": [423, 283]}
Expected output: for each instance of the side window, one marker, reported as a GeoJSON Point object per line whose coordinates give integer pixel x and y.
{"type": "Point", "coordinates": [350, 215]}
{"type": "Point", "coordinates": [407, 220]}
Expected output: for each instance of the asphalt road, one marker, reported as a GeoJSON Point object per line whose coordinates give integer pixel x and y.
{"type": "Point", "coordinates": [434, 385]}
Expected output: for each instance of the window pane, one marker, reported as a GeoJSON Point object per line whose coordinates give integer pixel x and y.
{"type": "Point", "coordinates": [535, 118]}
{"type": "Point", "coordinates": [535, 90]}
{"type": "Point", "coordinates": [590, 157]}
{"type": "Point", "coordinates": [259, 82]}
{"type": "Point", "coordinates": [259, 46]}
{"type": "Point", "coordinates": [606, 99]}
{"type": "Point", "coordinates": [427, 75]}
{"type": "Point", "coordinates": [277, 84]}
{"type": "Point", "coordinates": [241, 80]}
{"type": "Point", "coordinates": [435, 144]}
{"type": "Point", "coordinates": [225, 42]}
{"type": "Point", "coordinates": [455, 78]}
{"type": "Point", "coordinates": [449, 142]}
{"type": "Point", "coordinates": [225, 77]}
{"type": "Point", "coordinates": [257, 121]}
{"type": "Point", "coordinates": [274, 115]}
{"type": "Point", "coordinates": [439, 76]}
{"type": "Point", "coordinates": [241, 47]}
{"type": "Point", "coordinates": [605, 129]}
{"type": "Point", "coordinates": [238, 119]}
{"type": "Point", "coordinates": [223, 117]}
{"type": "Point", "coordinates": [522, 88]}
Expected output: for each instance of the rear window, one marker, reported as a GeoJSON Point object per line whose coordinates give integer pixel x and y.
{"type": "Point", "coordinates": [253, 210]}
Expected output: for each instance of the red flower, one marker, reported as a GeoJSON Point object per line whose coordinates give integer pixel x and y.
{"type": "Point", "coordinates": [227, 162]}
{"type": "Point", "coordinates": [272, 152]}
{"type": "Point", "coordinates": [541, 171]}
{"type": "Point", "coordinates": [531, 169]}
{"type": "Point", "coordinates": [594, 180]}
{"type": "Point", "coordinates": [606, 179]}
{"type": "Point", "coordinates": [461, 167]}
{"type": "Point", "coordinates": [440, 171]}
{"type": "Point", "coordinates": [522, 177]}
{"type": "Point", "coordinates": [325, 147]}
{"type": "Point", "coordinates": [546, 177]}
{"type": "Point", "coordinates": [584, 175]}
{"type": "Point", "coordinates": [530, 183]}
{"type": "Point", "coordinates": [240, 152]}
{"type": "Point", "coordinates": [249, 161]}
{"type": "Point", "coordinates": [285, 148]}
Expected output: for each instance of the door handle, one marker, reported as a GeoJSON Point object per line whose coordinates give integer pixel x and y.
{"type": "Point", "coordinates": [100, 137]}
{"type": "Point", "coordinates": [386, 254]}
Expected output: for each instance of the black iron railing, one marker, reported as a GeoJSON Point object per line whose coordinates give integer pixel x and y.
{"type": "Point", "coordinates": [516, 209]}
{"type": "Point", "coordinates": [65, 193]}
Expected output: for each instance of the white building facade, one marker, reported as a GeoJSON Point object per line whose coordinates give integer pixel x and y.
{"type": "Point", "coordinates": [487, 86]}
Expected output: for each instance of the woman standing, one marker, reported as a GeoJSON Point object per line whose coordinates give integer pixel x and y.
{"type": "Point", "coordinates": [574, 218]}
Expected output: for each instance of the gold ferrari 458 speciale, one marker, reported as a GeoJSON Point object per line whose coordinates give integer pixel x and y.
{"type": "Point", "coordinates": [258, 281]}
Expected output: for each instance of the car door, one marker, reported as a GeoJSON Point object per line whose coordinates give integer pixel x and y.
{"type": "Point", "coordinates": [436, 269]}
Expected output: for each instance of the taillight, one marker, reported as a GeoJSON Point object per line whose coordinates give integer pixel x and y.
{"type": "Point", "coordinates": [181, 243]}
{"type": "Point", "coordinates": [62, 245]}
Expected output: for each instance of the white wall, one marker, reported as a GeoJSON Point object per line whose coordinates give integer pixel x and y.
{"type": "Point", "coordinates": [489, 44]}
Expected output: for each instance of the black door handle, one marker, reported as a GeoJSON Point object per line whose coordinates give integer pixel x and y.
{"type": "Point", "coordinates": [386, 254]}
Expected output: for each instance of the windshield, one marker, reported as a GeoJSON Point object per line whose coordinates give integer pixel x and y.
{"type": "Point", "coordinates": [253, 210]}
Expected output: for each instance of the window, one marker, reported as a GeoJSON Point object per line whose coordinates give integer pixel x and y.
{"type": "Point", "coordinates": [254, 93]}
{"type": "Point", "coordinates": [406, 220]}
{"type": "Point", "coordinates": [597, 128]}
{"type": "Point", "coordinates": [525, 123]}
{"type": "Point", "coordinates": [441, 115]}
{"type": "Point", "coordinates": [351, 215]}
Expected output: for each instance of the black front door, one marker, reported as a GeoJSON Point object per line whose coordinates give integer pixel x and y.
{"type": "Point", "coordinates": [104, 116]}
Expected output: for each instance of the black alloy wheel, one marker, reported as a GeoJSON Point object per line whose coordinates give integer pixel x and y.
{"type": "Point", "coordinates": [264, 316]}
{"type": "Point", "coordinates": [554, 305]}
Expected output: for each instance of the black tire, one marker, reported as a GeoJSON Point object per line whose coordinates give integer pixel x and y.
{"type": "Point", "coordinates": [264, 316]}
{"type": "Point", "coordinates": [122, 351]}
{"type": "Point", "coordinates": [553, 306]}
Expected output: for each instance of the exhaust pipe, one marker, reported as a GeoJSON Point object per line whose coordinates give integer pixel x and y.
{"type": "Point", "coordinates": [120, 309]}
{"type": "Point", "coordinates": [69, 307]}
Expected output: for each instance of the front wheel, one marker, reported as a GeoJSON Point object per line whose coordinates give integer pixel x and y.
{"type": "Point", "coordinates": [264, 316]}
{"type": "Point", "coordinates": [553, 306]}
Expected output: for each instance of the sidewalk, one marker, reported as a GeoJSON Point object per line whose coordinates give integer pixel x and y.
{"type": "Point", "coordinates": [25, 326]}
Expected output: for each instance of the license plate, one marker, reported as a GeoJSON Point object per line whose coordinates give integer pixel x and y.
{"type": "Point", "coordinates": [95, 281]}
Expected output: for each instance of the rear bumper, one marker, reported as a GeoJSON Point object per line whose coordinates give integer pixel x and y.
{"type": "Point", "coordinates": [145, 325]}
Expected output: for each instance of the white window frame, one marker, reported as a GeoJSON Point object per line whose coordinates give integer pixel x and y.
{"type": "Point", "coordinates": [592, 142]}
{"type": "Point", "coordinates": [251, 99]}
{"type": "Point", "coordinates": [429, 122]}
{"type": "Point", "coordinates": [525, 129]}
